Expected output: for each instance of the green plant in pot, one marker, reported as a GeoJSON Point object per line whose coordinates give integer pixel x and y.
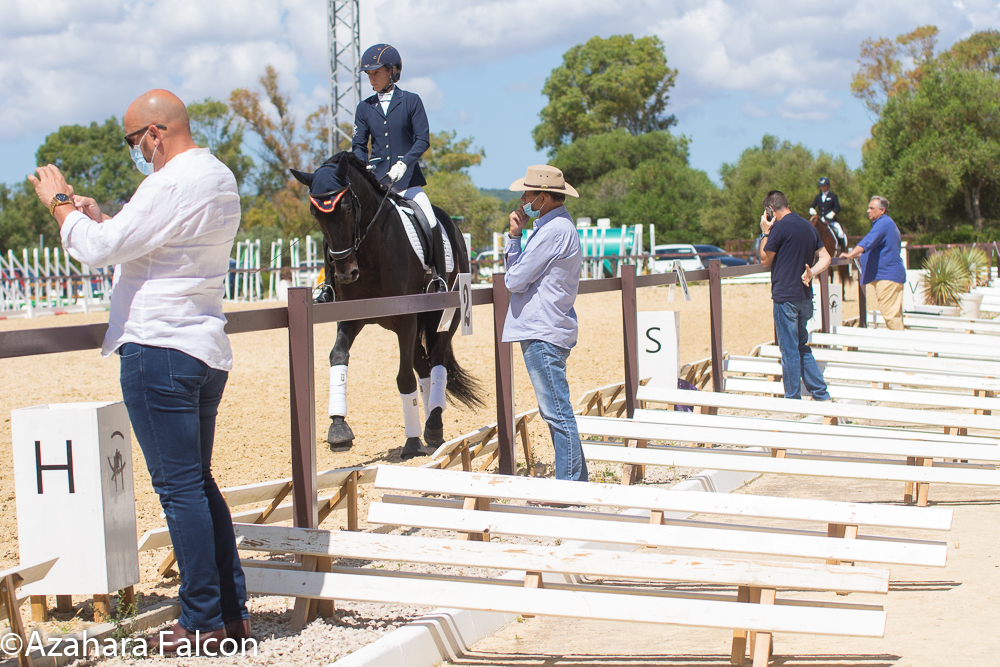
{"type": "Point", "coordinates": [947, 279]}
{"type": "Point", "coordinates": [976, 260]}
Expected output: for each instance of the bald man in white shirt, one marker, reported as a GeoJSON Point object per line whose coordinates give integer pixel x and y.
{"type": "Point", "coordinates": [173, 240]}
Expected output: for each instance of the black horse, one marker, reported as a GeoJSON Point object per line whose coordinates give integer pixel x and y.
{"type": "Point", "coordinates": [369, 257]}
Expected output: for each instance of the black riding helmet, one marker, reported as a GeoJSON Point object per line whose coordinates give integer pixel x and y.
{"type": "Point", "coordinates": [382, 55]}
{"type": "Point", "coordinates": [824, 181]}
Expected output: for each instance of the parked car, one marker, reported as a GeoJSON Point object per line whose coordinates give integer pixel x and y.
{"type": "Point", "coordinates": [707, 252]}
{"type": "Point", "coordinates": [664, 256]}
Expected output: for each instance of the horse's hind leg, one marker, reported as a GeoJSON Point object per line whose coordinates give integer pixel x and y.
{"type": "Point", "coordinates": [438, 346]}
{"type": "Point", "coordinates": [406, 333]}
{"type": "Point", "coordinates": [422, 366]}
{"type": "Point", "coordinates": [340, 436]}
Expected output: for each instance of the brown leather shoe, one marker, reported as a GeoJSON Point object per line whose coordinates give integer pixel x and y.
{"type": "Point", "coordinates": [177, 638]}
{"type": "Point", "coordinates": [238, 629]}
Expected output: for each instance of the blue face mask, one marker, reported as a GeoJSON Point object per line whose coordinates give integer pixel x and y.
{"type": "Point", "coordinates": [530, 212]}
{"type": "Point", "coordinates": [145, 168]}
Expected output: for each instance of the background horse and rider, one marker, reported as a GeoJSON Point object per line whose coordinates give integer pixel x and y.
{"type": "Point", "coordinates": [370, 256]}
{"type": "Point", "coordinates": [832, 247]}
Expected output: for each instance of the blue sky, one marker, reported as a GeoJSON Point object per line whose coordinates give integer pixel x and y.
{"type": "Point", "coordinates": [745, 68]}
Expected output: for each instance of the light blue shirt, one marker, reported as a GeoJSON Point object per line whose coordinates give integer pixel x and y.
{"type": "Point", "coordinates": [543, 280]}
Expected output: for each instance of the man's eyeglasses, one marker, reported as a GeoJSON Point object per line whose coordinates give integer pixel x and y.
{"type": "Point", "coordinates": [130, 137]}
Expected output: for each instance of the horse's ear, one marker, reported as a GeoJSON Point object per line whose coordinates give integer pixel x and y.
{"type": "Point", "coordinates": [302, 177]}
{"type": "Point", "coordinates": [342, 175]}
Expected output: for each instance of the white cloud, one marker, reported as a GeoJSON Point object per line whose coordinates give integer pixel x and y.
{"type": "Point", "coordinates": [751, 110]}
{"type": "Point", "coordinates": [430, 94]}
{"type": "Point", "coordinates": [808, 104]}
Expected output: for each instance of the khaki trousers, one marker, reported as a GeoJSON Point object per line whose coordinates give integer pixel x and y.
{"type": "Point", "coordinates": [889, 296]}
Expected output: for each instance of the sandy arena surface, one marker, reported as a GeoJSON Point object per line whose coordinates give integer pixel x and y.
{"type": "Point", "coordinates": [252, 437]}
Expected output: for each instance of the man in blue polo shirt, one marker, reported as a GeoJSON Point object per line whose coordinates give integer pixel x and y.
{"type": "Point", "coordinates": [881, 263]}
{"type": "Point", "coordinates": [788, 245]}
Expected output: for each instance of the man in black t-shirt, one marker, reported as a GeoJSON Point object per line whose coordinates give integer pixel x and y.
{"type": "Point", "coordinates": [789, 244]}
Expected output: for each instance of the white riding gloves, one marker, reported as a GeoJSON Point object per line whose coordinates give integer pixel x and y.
{"type": "Point", "coordinates": [812, 211]}
{"type": "Point", "coordinates": [831, 215]}
{"type": "Point", "coordinates": [397, 170]}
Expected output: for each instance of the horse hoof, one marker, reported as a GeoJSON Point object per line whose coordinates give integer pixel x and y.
{"type": "Point", "coordinates": [412, 448]}
{"type": "Point", "coordinates": [434, 429]}
{"type": "Point", "coordinates": [340, 436]}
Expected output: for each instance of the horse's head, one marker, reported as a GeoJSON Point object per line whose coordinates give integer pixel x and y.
{"type": "Point", "coordinates": [332, 203]}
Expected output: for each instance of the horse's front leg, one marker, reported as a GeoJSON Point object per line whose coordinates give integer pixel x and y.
{"type": "Point", "coordinates": [340, 436]}
{"type": "Point", "coordinates": [406, 333]}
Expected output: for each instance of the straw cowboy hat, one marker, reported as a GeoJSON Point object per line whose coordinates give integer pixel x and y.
{"type": "Point", "coordinates": [542, 177]}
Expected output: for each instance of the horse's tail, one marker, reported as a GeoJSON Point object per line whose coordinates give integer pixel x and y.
{"type": "Point", "coordinates": [844, 271]}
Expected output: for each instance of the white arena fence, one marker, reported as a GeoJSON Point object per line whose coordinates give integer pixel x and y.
{"type": "Point", "coordinates": [47, 281]}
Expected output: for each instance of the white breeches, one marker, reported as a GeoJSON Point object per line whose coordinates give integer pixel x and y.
{"type": "Point", "coordinates": [417, 194]}
{"type": "Point", "coordinates": [338, 391]}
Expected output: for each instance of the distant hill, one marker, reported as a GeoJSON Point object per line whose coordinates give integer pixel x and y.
{"type": "Point", "coordinates": [503, 195]}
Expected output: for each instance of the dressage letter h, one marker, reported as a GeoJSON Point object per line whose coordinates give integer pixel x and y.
{"type": "Point", "coordinates": [39, 468]}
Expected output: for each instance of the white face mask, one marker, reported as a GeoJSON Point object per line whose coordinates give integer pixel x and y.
{"type": "Point", "coordinates": [530, 212]}
{"type": "Point", "coordinates": [145, 168]}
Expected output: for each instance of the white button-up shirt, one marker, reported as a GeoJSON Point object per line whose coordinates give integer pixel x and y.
{"type": "Point", "coordinates": [173, 241]}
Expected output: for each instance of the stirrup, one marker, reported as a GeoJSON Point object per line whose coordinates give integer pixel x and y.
{"type": "Point", "coordinates": [439, 282]}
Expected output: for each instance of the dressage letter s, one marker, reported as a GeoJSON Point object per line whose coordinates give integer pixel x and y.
{"type": "Point", "coordinates": [659, 347]}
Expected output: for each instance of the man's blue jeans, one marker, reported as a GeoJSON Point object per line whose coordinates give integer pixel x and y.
{"type": "Point", "coordinates": [797, 362]}
{"type": "Point", "coordinates": [172, 400]}
{"type": "Point", "coordinates": [546, 364]}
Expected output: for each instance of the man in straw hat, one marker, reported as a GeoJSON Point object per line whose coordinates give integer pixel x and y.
{"type": "Point", "coordinates": [543, 279]}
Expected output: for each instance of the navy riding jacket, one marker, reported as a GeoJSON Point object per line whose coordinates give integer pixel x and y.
{"type": "Point", "coordinates": [832, 203]}
{"type": "Point", "coordinates": [400, 134]}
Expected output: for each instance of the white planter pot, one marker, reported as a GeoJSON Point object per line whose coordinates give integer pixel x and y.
{"type": "Point", "coordinates": [970, 304]}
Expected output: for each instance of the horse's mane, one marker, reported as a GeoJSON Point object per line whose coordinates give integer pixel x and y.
{"type": "Point", "coordinates": [359, 166]}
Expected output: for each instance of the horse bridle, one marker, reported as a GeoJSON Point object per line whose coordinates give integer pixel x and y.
{"type": "Point", "coordinates": [359, 233]}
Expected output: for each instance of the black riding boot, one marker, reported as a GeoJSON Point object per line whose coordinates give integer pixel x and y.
{"type": "Point", "coordinates": [439, 281]}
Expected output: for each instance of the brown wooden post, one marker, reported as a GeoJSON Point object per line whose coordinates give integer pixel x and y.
{"type": "Point", "coordinates": [630, 333]}
{"type": "Point", "coordinates": [824, 300]}
{"type": "Point", "coordinates": [505, 380]}
{"type": "Point", "coordinates": [862, 304]}
{"type": "Point", "coordinates": [302, 390]}
{"type": "Point", "coordinates": [715, 309]}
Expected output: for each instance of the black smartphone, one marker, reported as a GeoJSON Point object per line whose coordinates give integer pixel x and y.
{"type": "Point", "coordinates": [769, 212]}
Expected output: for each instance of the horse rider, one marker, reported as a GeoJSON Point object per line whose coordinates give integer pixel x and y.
{"type": "Point", "coordinates": [826, 205]}
{"type": "Point", "coordinates": [395, 122]}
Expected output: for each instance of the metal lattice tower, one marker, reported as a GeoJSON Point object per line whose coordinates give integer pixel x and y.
{"type": "Point", "coordinates": [344, 41]}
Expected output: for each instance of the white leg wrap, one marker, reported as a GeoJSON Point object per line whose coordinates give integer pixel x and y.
{"type": "Point", "coordinates": [425, 392]}
{"type": "Point", "coordinates": [338, 391]}
{"type": "Point", "coordinates": [439, 383]}
{"type": "Point", "coordinates": [411, 415]}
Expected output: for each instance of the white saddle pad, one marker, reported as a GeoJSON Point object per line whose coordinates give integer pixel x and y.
{"type": "Point", "coordinates": [406, 215]}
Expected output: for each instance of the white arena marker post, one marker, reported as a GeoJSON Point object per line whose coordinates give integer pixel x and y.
{"type": "Point", "coordinates": [75, 500]}
{"type": "Point", "coordinates": [659, 347]}
{"type": "Point", "coordinates": [465, 302]}
{"type": "Point", "coordinates": [836, 308]}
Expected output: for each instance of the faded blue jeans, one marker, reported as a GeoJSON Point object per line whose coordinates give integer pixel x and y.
{"type": "Point", "coordinates": [797, 362]}
{"type": "Point", "coordinates": [172, 400]}
{"type": "Point", "coordinates": [546, 364]}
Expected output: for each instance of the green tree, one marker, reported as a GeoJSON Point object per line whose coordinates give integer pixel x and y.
{"type": "Point", "coordinates": [454, 192]}
{"type": "Point", "coordinates": [446, 154]}
{"type": "Point", "coordinates": [450, 187]}
{"type": "Point", "coordinates": [883, 73]}
{"type": "Point", "coordinates": [215, 126]}
{"type": "Point", "coordinates": [94, 160]}
{"type": "Point", "coordinates": [637, 180]}
{"type": "Point", "coordinates": [937, 142]}
{"type": "Point", "coordinates": [603, 85]}
{"type": "Point", "coordinates": [734, 211]}
{"type": "Point", "coordinates": [23, 218]}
